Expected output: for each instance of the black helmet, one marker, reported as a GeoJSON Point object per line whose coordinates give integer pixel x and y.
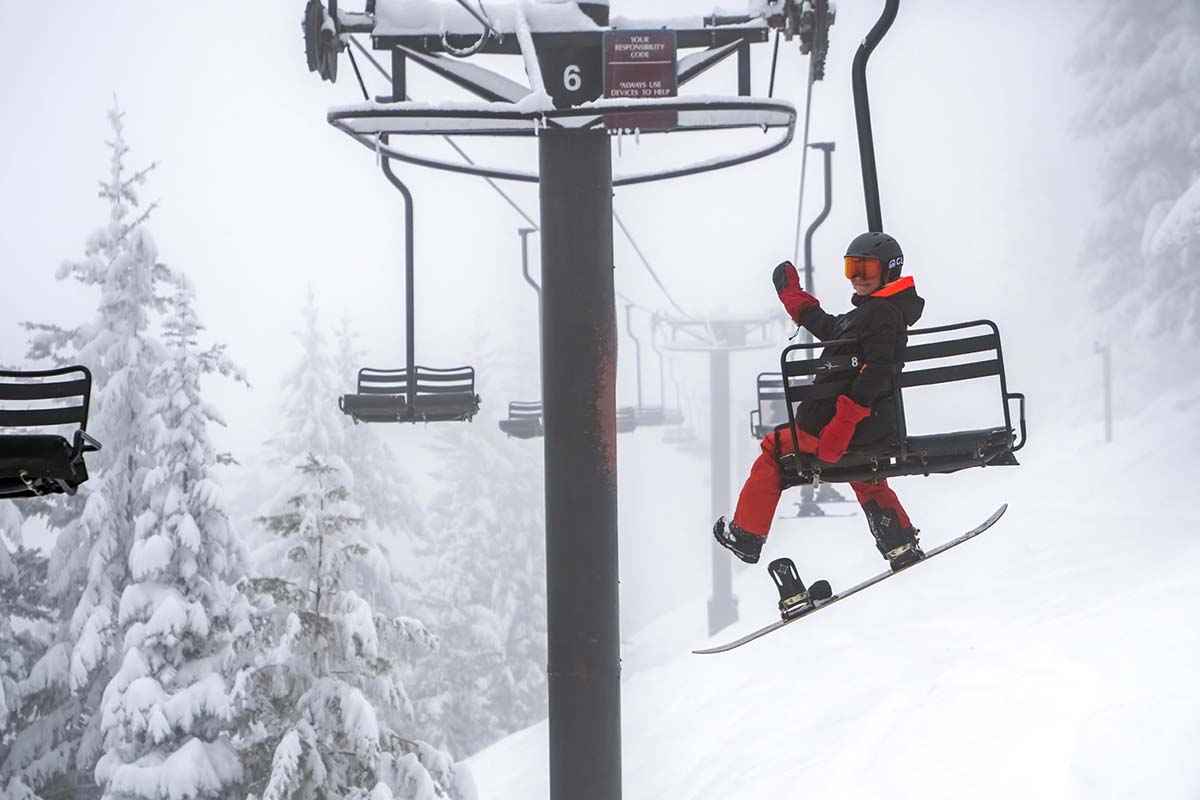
{"type": "Point", "coordinates": [882, 247]}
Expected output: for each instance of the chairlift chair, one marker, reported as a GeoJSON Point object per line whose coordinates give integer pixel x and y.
{"type": "Point", "coordinates": [420, 394]}
{"type": "Point", "coordinates": [525, 417]}
{"type": "Point", "coordinates": [413, 393]}
{"type": "Point", "coordinates": [524, 420]}
{"type": "Point", "coordinates": [772, 405]}
{"type": "Point", "coordinates": [671, 415]}
{"type": "Point", "coordinates": [650, 416]}
{"type": "Point", "coordinates": [903, 454]}
{"type": "Point", "coordinates": [38, 464]}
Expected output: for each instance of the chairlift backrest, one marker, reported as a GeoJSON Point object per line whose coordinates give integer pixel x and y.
{"type": "Point", "coordinates": [772, 405]}
{"type": "Point", "coordinates": [800, 372]}
{"type": "Point", "coordinates": [35, 400]}
{"type": "Point", "coordinates": [525, 410]}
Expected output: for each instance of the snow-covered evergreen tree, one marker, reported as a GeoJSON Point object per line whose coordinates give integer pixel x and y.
{"type": "Point", "coordinates": [89, 566]}
{"type": "Point", "coordinates": [26, 620]}
{"type": "Point", "coordinates": [486, 590]}
{"type": "Point", "coordinates": [1143, 72]}
{"type": "Point", "coordinates": [166, 713]}
{"type": "Point", "coordinates": [320, 694]}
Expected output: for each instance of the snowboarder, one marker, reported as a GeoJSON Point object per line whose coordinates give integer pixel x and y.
{"type": "Point", "coordinates": [885, 305]}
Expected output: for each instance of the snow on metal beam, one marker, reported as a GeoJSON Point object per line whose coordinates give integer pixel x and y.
{"type": "Point", "coordinates": [438, 17]}
{"type": "Point", "coordinates": [692, 66]}
{"type": "Point", "coordinates": [481, 82]}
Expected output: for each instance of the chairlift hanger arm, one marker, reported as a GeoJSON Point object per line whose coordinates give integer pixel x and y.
{"type": "Point", "coordinates": [637, 350]}
{"type": "Point", "coordinates": [524, 234]}
{"type": "Point", "coordinates": [827, 149]}
{"type": "Point", "coordinates": [409, 276]}
{"type": "Point", "coordinates": [862, 110]}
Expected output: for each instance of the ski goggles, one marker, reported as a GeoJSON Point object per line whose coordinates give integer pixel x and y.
{"type": "Point", "coordinates": [868, 268]}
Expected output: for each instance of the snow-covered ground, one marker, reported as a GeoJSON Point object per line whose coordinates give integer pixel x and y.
{"type": "Point", "coordinates": [1054, 657]}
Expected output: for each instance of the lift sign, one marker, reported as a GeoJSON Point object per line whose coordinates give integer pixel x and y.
{"type": "Point", "coordinates": [640, 65]}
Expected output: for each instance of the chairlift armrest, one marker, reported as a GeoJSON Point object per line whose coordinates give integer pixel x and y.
{"type": "Point", "coordinates": [1020, 397]}
{"type": "Point", "coordinates": [84, 443]}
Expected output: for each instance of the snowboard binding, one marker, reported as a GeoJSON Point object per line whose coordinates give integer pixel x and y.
{"type": "Point", "coordinates": [794, 598]}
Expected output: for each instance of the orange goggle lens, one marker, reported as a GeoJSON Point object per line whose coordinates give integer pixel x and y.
{"type": "Point", "coordinates": [869, 268]}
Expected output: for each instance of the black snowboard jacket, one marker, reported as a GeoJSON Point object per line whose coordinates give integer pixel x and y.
{"type": "Point", "coordinates": [878, 324]}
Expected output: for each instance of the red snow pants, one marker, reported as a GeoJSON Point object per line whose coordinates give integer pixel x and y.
{"type": "Point", "coordinates": [762, 490]}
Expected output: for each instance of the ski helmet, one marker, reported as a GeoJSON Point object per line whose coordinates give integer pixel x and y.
{"type": "Point", "coordinates": [882, 247]}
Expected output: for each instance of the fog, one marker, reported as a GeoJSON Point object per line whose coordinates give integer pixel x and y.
{"type": "Point", "coordinates": [984, 181]}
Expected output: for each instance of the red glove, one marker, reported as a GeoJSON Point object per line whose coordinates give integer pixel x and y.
{"type": "Point", "coordinates": [836, 436]}
{"type": "Point", "coordinates": [787, 285]}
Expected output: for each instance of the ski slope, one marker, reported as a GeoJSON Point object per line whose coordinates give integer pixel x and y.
{"type": "Point", "coordinates": [1053, 657]}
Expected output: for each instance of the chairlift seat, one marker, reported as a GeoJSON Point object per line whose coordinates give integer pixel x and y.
{"type": "Point", "coordinates": [524, 420]}
{"type": "Point", "coordinates": [902, 454]}
{"type": "Point", "coordinates": [627, 419]}
{"type": "Point", "coordinates": [37, 464]}
{"type": "Point", "coordinates": [432, 395]}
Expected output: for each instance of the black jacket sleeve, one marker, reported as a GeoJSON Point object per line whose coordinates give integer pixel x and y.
{"type": "Point", "coordinates": [878, 340]}
{"type": "Point", "coordinates": [822, 325]}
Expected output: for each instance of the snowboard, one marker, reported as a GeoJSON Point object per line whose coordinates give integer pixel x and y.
{"type": "Point", "coordinates": [818, 604]}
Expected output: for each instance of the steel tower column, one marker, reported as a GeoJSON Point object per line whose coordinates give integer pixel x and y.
{"type": "Point", "coordinates": [579, 343]}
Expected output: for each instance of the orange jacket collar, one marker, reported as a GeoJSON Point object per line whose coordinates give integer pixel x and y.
{"type": "Point", "coordinates": [896, 287]}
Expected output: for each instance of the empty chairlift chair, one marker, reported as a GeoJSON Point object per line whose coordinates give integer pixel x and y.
{"type": "Point", "coordinates": [422, 394]}
{"type": "Point", "coordinates": [644, 415]}
{"type": "Point", "coordinates": [964, 352]}
{"type": "Point", "coordinates": [412, 393]}
{"type": "Point", "coordinates": [36, 464]}
{"type": "Point", "coordinates": [524, 420]}
{"type": "Point", "coordinates": [772, 405]}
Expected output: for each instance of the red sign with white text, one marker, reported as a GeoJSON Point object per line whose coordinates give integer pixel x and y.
{"type": "Point", "coordinates": [640, 65]}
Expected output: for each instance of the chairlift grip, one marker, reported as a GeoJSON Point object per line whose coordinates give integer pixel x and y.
{"type": "Point", "coordinates": [827, 148]}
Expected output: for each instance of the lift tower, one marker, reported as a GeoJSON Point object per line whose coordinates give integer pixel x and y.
{"type": "Point", "coordinates": [719, 339]}
{"type": "Point", "coordinates": [587, 80]}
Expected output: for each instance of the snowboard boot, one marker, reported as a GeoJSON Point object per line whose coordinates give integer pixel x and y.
{"type": "Point", "coordinates": [896, 543]}
{"type": "Point", "coordinates": [743, 544]}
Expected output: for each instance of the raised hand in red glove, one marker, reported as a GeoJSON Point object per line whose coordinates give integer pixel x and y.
{"type": "Point", "coordinates": [787, 285]}
{"type": "Point", "coordinates": [836, 436]}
